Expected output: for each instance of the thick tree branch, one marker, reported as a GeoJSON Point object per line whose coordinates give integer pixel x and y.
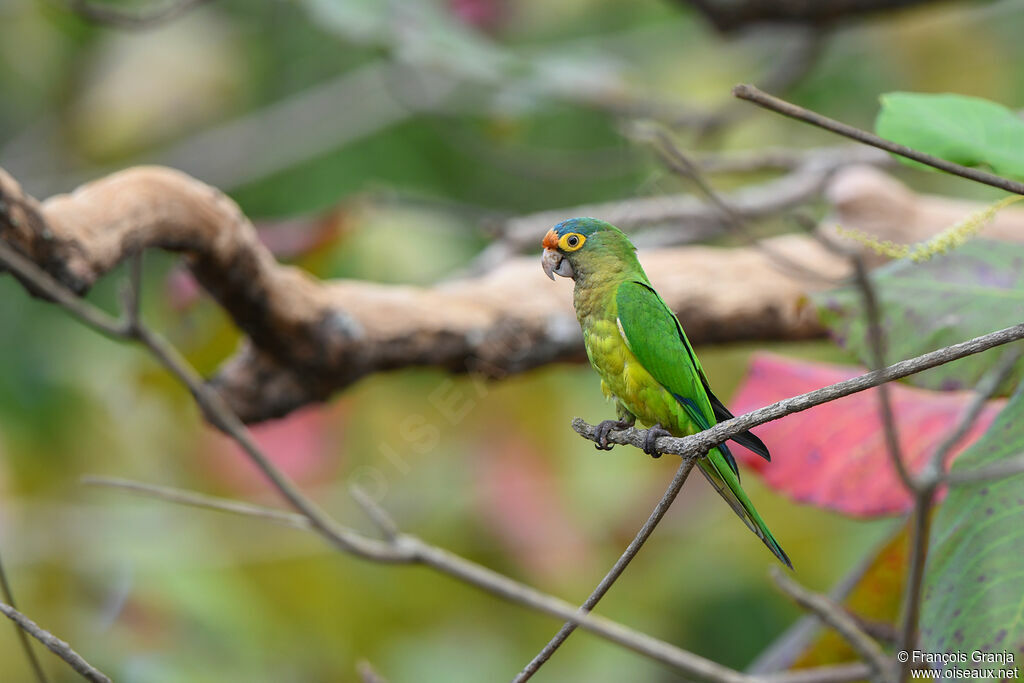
{"type": "Point", "coordinates": [307, 338]}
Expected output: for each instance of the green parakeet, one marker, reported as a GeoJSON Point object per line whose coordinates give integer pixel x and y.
{"type": "Point", "coordinates": [645, 361]}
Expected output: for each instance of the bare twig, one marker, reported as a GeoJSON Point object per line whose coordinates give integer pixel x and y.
{"type": "Point", "coordinates": [378, 515]}
{"type": "Point", "coordinates": [38, 281]}
{"type": "Point", "coordinates": [876, 343]}
{"type": "Point", "coordinates": [935, 472]}
{"type": "Point", "coordinates": [200, 500]}
{"type": "Point", "coordinates": [131, 296]}
{"type": "Point", "coordinates": [763, 99]}
{"type": "Point", "coordinates": [688, 446]}
{"type": "Point", "coordinates": [922, 497]}
{"type": "Point", "coordinates": [55, 645]}
{"type": "Point", "coordinates": [924, 488]}
{"type": "Point", "coordinates": [615, 572]}
{"type": "Point", "coordinates": [835, 616]}
{"type": "Point", "coordinates": [734, 221]}
{"type": "Point", "coordinates": [807, 173]}
{"type": "Point", "coordinates": [417, 551]}
{"type": "Point", "coordinates": [920, 529]}
{"type": "Point", "coordinates": [825, 674]}
{"type": "Point", "coordinates": [788, 646]}
{"type": "Point", "coordinates": [7, 593]}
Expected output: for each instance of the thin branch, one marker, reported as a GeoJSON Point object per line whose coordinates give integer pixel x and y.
{"type": "Point", "coordinates": [7, 593]}
{"type": "Point", "coordinates": [378, 515]}
{"type": "Point", "coordinates": [615, 572]}
{"type": "Point", "coordinates": [924, 489]}
{"type": "Point", "coordinates": [935, 473]}
{"type": "Point", "coordinates": [807, 173]}
{"type": "Point", "coordinates": [681, 164]}
{"type": "Point", "coordinates": [876, 343]}
{"type": "Point", "coordinates": [920, 532]}
{"type": "Point", "coordinates": [780, 106]}
{"type": "Point", "coordinates": [132, 295]}
{"type": "Point", "coordinates": [39, 281]}
{"type": "Point", "coordinates": [922, 496]}
{"type": "Point", "coordinates": [55, 645]}
{"type": "Point", "coordinates": [835, 616]}
{"type": "Point", "coordinates": [209, 401]}
{"type": "Point", "coordinates": [689, 446]}
{"type": "Point", "coordinates": [200, 500]}
{"type": "Point", "coordinates": [420, 552]}
{"type": "Point", "coordinates": [825, 674]}
{"type": "Point", "coordinates": [788, 646]}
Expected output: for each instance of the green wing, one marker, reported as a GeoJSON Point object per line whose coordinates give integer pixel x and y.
{"type": "Point", "coordinates": [668, 356]}
{"type": "Point", "coordinates": [656, 338]}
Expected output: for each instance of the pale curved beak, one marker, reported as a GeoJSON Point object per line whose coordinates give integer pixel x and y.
{"type": "Point", "coordinates": [555, 263]}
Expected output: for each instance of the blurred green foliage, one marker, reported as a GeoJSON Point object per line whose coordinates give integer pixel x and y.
{"type": "Point", "coordinates": [152, 593]}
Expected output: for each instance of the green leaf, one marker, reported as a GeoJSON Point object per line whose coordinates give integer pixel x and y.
{"type": "Point", "coordinates": [976, 289]}
{"type": "Point", "coordinates": [966, 130]}
{"type": "Point", "coordinates": [974, 588]}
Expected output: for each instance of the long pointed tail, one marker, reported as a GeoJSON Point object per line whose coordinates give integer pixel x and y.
{"type": "Point", "coordinates": [717, 471]}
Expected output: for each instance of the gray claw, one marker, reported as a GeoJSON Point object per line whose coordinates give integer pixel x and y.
{"type": "Point", "coordinates": [653, 434]}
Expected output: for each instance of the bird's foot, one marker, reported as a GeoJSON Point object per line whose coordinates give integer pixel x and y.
{"type": "Point", "coordinates": [653, 434]}
{"type": "Point", "coordinates": [602, 430]}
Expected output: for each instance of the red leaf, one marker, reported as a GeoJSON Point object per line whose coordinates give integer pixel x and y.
{"type": "Point", "coordinates": [834, 455]}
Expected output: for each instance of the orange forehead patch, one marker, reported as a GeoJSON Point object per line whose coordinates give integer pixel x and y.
{"type": "Point", "coordinates": [550, 240]}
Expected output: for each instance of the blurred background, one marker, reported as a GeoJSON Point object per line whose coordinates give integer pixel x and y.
{"type": "Point", "coordinates": [389, 141]}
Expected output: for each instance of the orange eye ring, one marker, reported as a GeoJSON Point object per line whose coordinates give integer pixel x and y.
{"type": "Point", "coordinates": [571, 241]}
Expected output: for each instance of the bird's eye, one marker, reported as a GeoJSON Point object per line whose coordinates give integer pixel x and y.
{"type": "Point", "coordinates": [572, 241]}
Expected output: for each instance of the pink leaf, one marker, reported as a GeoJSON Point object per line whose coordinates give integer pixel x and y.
{"type": "Point", "coordinates": [834, 455]}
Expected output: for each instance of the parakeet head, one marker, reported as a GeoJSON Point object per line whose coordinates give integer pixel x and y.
{"type": "Point", "coordinates": [579, 247]}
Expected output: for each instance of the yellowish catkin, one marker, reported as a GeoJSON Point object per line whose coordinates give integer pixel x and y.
{"type": "Point", "coordinates": [945, 241]}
